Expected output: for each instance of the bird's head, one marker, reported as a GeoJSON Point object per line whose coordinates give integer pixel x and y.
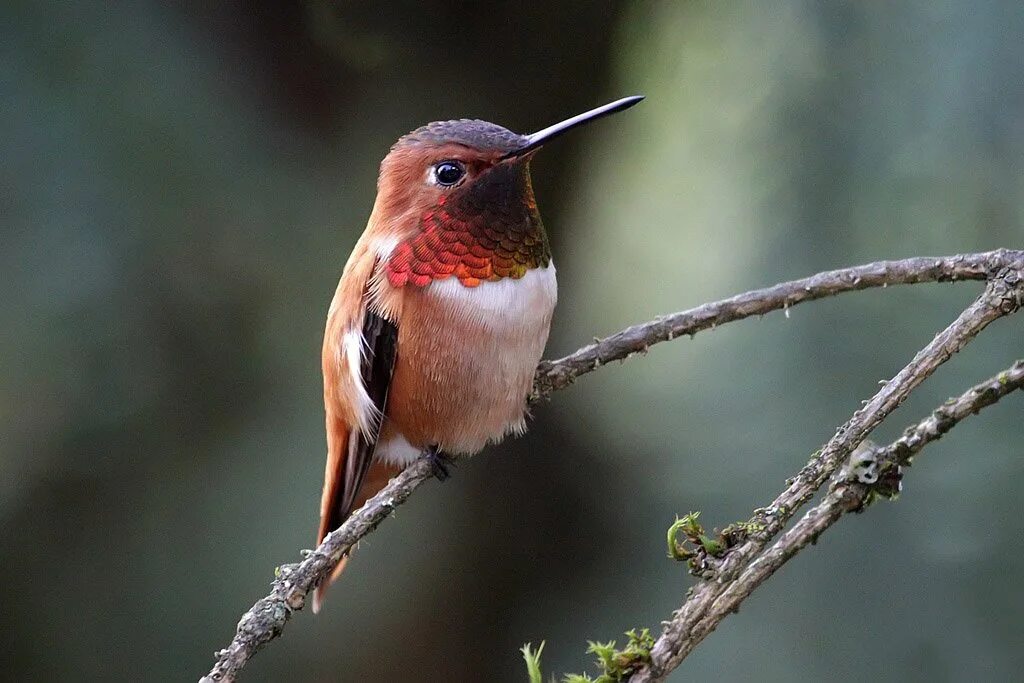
{"type": "Point", "coordinates": [464, 186]}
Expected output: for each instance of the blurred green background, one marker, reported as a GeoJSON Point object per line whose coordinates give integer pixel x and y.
{"type": "Point", "coordinates": [181, 183]}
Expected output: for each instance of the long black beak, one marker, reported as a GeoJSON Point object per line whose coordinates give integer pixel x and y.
{"type": "Point", "coordinates": [535, 140]}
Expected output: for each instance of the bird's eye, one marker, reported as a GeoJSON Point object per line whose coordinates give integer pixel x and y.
{"type": "Point", "coordinates": [448, 173]}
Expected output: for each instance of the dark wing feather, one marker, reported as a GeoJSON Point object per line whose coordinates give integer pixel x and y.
{"type": "Point", "coordinates": [378, 363]}
{"type": "Point", "coordinates": [380, 337]}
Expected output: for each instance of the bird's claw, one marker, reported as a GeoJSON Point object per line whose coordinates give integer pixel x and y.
{"type": "Point", "coordinates": [439, 462]}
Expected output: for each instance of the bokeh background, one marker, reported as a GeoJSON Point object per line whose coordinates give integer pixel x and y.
{"type": "Point", "coordinates": [180, 184]}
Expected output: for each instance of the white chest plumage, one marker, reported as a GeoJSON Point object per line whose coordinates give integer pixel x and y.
{"type": "Point", "coordinates": [508, 306]}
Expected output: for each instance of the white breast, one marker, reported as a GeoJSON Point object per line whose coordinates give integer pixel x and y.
{"type": "Point", "coordinates": [506, 304]}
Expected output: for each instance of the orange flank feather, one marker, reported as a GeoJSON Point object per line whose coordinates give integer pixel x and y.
{"type": "Point", "coordinates": [345, 402]}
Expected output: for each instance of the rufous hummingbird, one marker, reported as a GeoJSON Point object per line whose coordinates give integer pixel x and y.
{"type": "Point", "coordinates": [442, 311]}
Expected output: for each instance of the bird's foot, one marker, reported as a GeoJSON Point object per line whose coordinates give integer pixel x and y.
{"type": "Point", "coordinates": [439, 462]}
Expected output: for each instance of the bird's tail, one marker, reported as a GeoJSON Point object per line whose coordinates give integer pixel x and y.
{"type": "Point", "coordinates": [377, 478]}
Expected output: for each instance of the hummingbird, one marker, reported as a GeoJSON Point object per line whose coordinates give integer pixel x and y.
{"type": "Point", "coordinates": [442, 312]}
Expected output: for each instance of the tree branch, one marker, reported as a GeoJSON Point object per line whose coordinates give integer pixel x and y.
{"type": "Point", "coordinates": [267, 618]}
{"type": "Point", "coordinates": [849, 494]}
{"type": "Point", "coordinates": [711, 601]}
{"type": "Point", "coordinates": [557, 374]}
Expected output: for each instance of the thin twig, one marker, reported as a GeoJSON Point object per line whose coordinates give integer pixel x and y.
{"type": "Point", "coordinates": [848, 494]}
{"type": "Point", "coordinates": [949, 414]}
{"type": "Point", "coordinates": [557, 374]}
{"type": "Point", "coordinates": [701, 613]}
{"type": "Point", "coordinates": [267, 618]}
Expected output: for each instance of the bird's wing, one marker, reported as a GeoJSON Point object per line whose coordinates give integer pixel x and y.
{"type": "Point", "coordinates": [360, 348]}
{"type": "Point", "coordinates": [345, 478]}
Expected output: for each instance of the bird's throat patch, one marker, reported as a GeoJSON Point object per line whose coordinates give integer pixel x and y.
{"type": "Point", "coordinates": [472, 245]}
